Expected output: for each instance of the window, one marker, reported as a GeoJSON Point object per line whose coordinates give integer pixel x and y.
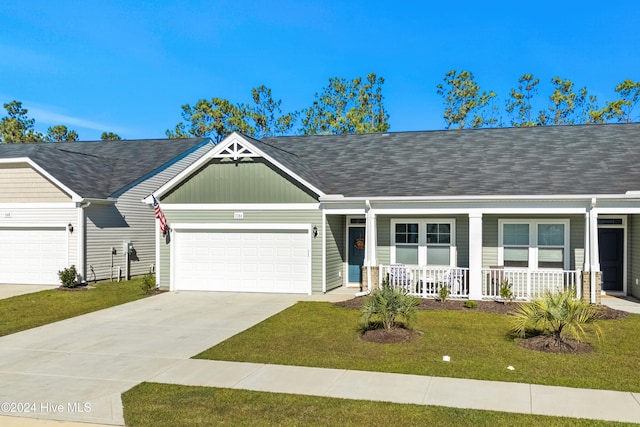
{"type": "Point", "coordinates": [534, 243]}
{"type": "Point", "coordinates": [423, 242]}
{"type": "Point", "coordinates": [516, 245]}
{"type": "Point", "coordinates": [406, 238]}
{"type": "Point", "coordinates": [438, 243]}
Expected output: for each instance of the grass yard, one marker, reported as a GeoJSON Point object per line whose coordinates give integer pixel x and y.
{"type": "Point", "coordinates": [40, 308]}
{"type": "Point", "coordinates": [151, 404]}
{"type": "Point", "coordinates": [321, 334]}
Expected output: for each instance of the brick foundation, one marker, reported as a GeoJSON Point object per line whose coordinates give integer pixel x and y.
{"type": "Point", "coordinates": [586, 286]}
{"type": "Point", "coordinates": [375, 274]}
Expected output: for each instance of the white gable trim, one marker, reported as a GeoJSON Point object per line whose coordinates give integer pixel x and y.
{"type": "Point", "coordinates": [74, 196]}
{"type": "Point", "coordinates": [234, 146]}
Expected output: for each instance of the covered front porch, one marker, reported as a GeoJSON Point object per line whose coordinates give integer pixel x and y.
{"type": "Point", "coordinates": [477, 247]}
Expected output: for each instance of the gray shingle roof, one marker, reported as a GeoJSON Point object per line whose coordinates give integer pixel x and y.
{"type": "Point", "coordinates": [100, 169]}
{"type": "Point", "coordinates": [587, 159]}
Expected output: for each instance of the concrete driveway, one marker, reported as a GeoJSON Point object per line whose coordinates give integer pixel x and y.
{"type": "Point", "coordinates": [76, 369]}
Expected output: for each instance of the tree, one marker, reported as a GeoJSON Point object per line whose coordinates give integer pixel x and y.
{"type": "Point", "coordinates": [622, 108]}
{"type": "Point", "coordinates": [465, 104]}
{"type": "Point", "coordinates": [267, 115]}
{"type": "Point", "coordinates": [16, 127]}
{"type": "Point", "coordinates": [347, 107]}
{"type": "Point", "coordinates": [60, 133]}
{"type": "Point", "coordinates": [558, 315]}
{"type": "Point", "coordinates": [110, 136]}
{"type": "Point", "coordinates": [567, 106]}
{"type": "Point", "coordinates": [215, 119]}
{"type": "Point", "coordinates": [519, 105]}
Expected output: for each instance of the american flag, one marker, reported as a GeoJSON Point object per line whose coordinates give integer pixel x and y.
{"type": "Point", "coordinates": [160, 215]}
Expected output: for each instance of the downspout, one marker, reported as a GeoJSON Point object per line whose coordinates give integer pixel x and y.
{"type": "Point", "coordinates": [81, 241]}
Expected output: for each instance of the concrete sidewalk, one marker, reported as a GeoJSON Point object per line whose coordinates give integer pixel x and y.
{"type": "Point", "coordinates": [414, 389]}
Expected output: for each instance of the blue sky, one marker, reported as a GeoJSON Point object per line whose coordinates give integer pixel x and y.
{"type": "Point", "coordinates": [128, 66]}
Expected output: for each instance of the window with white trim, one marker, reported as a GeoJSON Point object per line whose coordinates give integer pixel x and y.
{"type": "Point", "coordinates": [535, 244]}
{"type": "Point", "coordinates": [423, 242]}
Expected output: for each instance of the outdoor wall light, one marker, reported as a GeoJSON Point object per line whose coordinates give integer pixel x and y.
{"type": "Point", "coordinates": [70, 228]}
{"type": "Point", "coordinates": [315, 231]}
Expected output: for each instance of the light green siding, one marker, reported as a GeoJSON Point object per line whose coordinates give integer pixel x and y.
{"type": "Point", "coordinates": [307, 217]}
{"type": "Point", "coordinates": [490, 237]}
{"type": "Point", "coordinates": [384, 239]}
{"type": "Point", "coordinates": [246, 181]}
{"type": "Point", "coordinates": [633, 255]}
{"type": "Point", "coordinates": [336, 258]}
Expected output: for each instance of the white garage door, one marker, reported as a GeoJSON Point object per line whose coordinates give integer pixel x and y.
{"type": "Point", "coordinates": [243, 260]}
{"type": "Point", "coordinates": [32, 255]}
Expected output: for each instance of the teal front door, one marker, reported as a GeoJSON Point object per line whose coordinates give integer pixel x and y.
{"type": "Point", "coordinates": [356, 254]}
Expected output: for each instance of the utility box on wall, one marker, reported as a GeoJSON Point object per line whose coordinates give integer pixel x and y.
{"type": "Point", "coordinates": [127, 247]}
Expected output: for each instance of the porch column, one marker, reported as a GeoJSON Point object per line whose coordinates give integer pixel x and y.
{"type": "Point", "coordinates": [371, 241]}
{"type": "Point", "coordinates": [587, 242]}
{"type": "Point", "coordinates": [595, 254]}
{"type": "Point", "coordinates": [475, 255]}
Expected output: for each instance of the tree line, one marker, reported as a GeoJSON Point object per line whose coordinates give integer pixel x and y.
{"type": "Point", "coordinates": [356, 106]}
{"type": "Point", "coordinates": [17, 128]}
{"type": "Point", "coordinates": [467, 106]}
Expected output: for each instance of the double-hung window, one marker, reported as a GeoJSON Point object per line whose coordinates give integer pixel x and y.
{"type": "Point", "coordinates": [535, 244]}
{"type": "Point", "coordinates": [406, 239]}
{"type": "Point", "coordinates": [423, 242]}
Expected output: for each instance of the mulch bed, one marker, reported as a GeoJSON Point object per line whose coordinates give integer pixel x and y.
{"type": "Point", "coordinates": [538, 343]}
{"type": "Point", "coordinates": [391, 336]}
{"type": "Point", "coordinates": [497, 307]}
{"type": "Point", "coordinates": [547, 344]}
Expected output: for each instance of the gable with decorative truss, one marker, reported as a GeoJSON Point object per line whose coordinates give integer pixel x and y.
{"type": "Point", "coordinates": [235, 149]}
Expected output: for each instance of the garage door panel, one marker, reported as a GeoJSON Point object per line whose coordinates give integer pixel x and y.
{"type": "Point", "coordinates": [32, 255]}
{"type": "Point", "coordinates": [251, 261]}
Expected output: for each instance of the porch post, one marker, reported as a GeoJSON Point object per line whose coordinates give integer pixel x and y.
{"type": "Point", "coordinates": [371, 241]}
{"type": "Point", "coordinates": [475, 255]}
{"type": "Point", "coordinates": [587, 248]}
{"type": "Point", "coordinates": [595, 256]}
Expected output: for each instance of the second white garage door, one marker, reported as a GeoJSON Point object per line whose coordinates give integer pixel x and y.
{"type": "Point", "coordinates": [243, 260]}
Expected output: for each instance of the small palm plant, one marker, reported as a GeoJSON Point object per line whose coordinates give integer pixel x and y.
{"type": "Point", "coordinates": [385, 306]}
{"type": "Point", "coordinates": [559, 315]}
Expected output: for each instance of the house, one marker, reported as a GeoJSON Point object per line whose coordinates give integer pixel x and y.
{"type": "Point", "coordinates": [477, 210]}
{"type": "Point", "coordinates": [79, 204]}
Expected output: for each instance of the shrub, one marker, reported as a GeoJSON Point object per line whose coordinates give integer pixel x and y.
{"type": "Point", "coordinates": [471, 304]}
{"type": "Point", "coordinates": [444, 293]}
{"type": "Point", "coordinates": [505, 291]}
{"type": "Point", "coordinates": [148, 282]}
{"type": "Point", "coordinates": [68, 277]}
{"type": "Point", "coordinates": [384, 306]}
{"type": "Point", "coordinates": [559, 315]}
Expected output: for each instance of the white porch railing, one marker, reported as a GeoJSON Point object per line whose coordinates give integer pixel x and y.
{"type": "Point", "coordinates": [529, 284]}
{"type": "Point", "coordinates": [425, 281]}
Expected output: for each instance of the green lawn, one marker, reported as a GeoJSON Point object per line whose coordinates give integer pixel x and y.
{"type": "Point", "coordinates": [479, 344]}
{"type": "Point", "coordinates": [158, 405]}
{"type": "Point", "coordinates": [40, 308]}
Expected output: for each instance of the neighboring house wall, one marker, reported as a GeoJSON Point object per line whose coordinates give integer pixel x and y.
{"type": "Point", "coordinates": [21, 183]}
{"type": "Point", "coordinates": [633, 259]}
{"type": "Point", "coordinates": [335, 248]}
{"type": "Point", "coordinates": [110, 225]}
{"type": "Point", "coordinates": [250, 180]}
{"type": "Point", "coordinates": [312, 216]}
